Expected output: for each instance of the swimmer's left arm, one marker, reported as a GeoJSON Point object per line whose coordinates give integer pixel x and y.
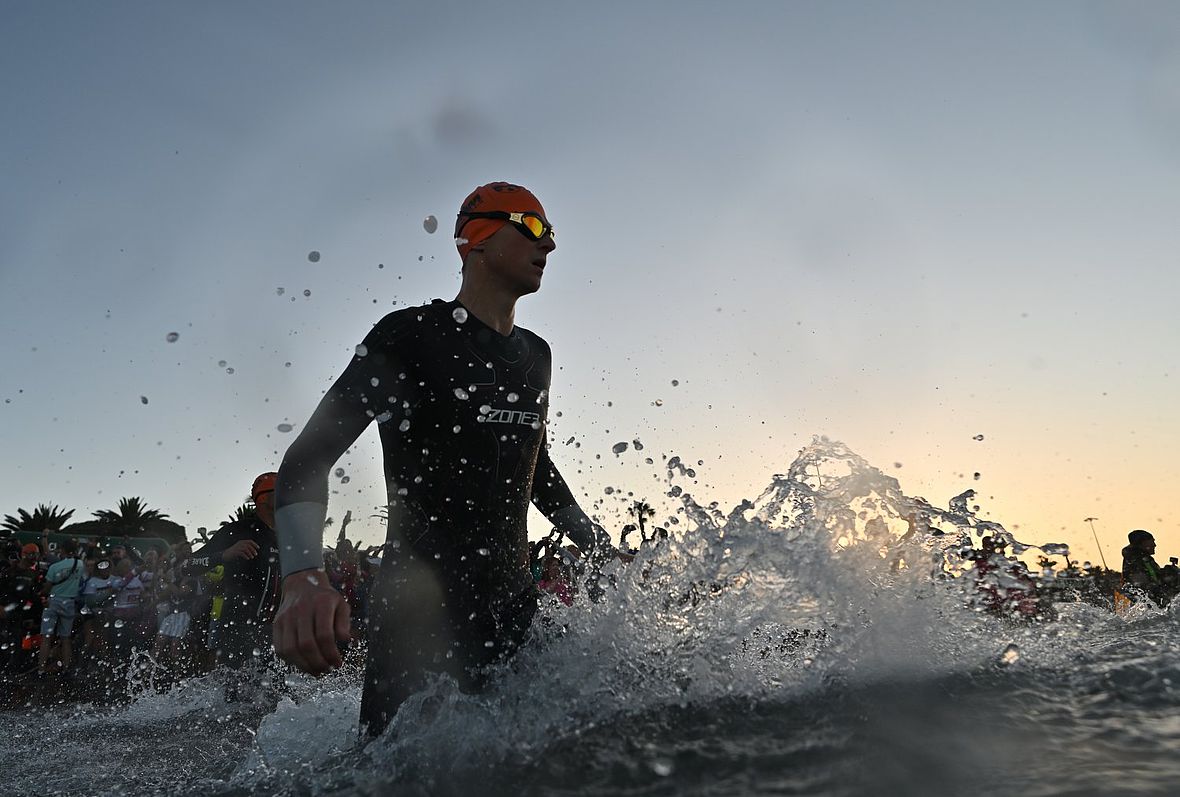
{"type": "Point", "coordinates": [553, 497]}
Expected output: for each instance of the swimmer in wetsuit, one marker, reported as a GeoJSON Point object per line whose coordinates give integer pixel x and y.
{"type": "Point", "coordinates": [460, 397]}
{"type": "Point", "coordinates": [247, 553]}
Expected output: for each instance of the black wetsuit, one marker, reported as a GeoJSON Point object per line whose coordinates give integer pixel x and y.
{"type": "Point", "coordinates": [1141, 570]}
{"type": "Point", "coordinates": [20, 591]}
{"type": "Point", "coordinates": [461, 411]}
{"type": "Point", "coordinates": [251, 587]}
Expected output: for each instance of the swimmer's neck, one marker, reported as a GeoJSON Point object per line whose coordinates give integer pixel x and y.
{"type": "Point", "coordinates": [494, 308]}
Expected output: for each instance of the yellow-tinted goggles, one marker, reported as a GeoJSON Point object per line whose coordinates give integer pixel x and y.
{"type": "Point", "coordinates": [531, 225]}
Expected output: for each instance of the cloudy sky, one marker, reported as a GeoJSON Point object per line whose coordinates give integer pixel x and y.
{"type": "Point", "coordinates": [900, 225]}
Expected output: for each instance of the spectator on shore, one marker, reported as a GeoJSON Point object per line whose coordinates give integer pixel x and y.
{"type": "Point", "coordinates": [1140, 570]}
{"type": "Point", "coordinates": [127, 612]}
{"type": "Point", "coordinates": [97, 600]}
{"type": "Point", "coordinates": [20, 592]}
{"type": "Point", "coordinates": [173, 611]}
{"type": "Point", "coordinates": [57, 621]}
{"type": "Point", "coordinates": [557, 577]}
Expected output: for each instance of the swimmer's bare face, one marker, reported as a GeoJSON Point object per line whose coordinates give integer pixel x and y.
{"type": "Point", "coordinates": [515, 260]}
{"type": "Point", "coordinates": [265, 504]}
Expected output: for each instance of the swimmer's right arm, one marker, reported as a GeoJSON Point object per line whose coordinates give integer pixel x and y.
{"type": "Point", "coordinates": [313, 616]}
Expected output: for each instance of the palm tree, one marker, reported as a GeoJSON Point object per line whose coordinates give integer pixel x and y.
{"type": "Point", "coordinates": [246, 511]}
{"type": "Point", "coordinates": [41, 518]}
{"type": "Point", "coordinates": [131, 515]}
{"type": "Point", "coordinates": [1046, 563]}
{"type": "Point", "coordinates": [641, 511]}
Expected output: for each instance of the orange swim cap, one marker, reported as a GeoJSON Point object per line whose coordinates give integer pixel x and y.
{"type": "Point", "coordinates": [493, 196]}
{"type": "Point", "coordinates": [263, 484]}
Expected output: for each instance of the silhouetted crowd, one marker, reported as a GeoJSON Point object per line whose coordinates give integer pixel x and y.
{"type": "Point", "coordinates": [87, 621]}
{"type": "Point", "coordinates": [1006, 586]}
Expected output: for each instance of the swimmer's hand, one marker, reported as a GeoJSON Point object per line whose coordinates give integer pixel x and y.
{"type": "Point", "coordinates": [242, 549]}
{"type": "Point", "coordinates": [311, 619]}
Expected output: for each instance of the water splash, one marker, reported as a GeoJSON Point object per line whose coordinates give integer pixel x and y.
{"type": "Point", "coordinates": [831, 582]}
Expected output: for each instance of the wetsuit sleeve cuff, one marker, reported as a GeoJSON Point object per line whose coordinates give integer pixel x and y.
{"type": "Point", "coordinates": [300, 532]}
{"type": "Point", "coordinates": [578, 527]}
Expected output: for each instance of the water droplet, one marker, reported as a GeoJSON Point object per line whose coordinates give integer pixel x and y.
{"type": "Point", "coordinates": [404, 426]}
{"type": "Point", "coordinates": [313, 256]}
{"type": "Point", "coordinates": [460, 315]}
{"type": "Point", "coordinates": [229, 370]}
{"type": "Point", "coordinates": [1010, 656]}
{"type": "Point", "coordinates": [430, 224]}
{"type": "Point", "coordinates": [638, 446]}
{"type": "Point", "coordinates": [658, 403]}
{"type": "Point", "coordinates": [489, 644]}
{"type": "Point", "coordinates": [339, 472]}
{"type": "Point", "coordinates": [362, 350]}
{"type": "Point", "coordinates": [977, 475]}
{"type": "Point", "coordinates": [118, 624]}
{"type": "Point", "coordinates": [662, 767]}
{"type": "Point", "coordinates": [460, 241]}
{"type": "Point", "coordinates": [256, 652]}
{"type": "Point", "coordinates": [143, 400]}
{"type": "Point", "coordinates": [461, 394]}
{"type": "Point", "coordinates": [618, 448]}
{"type": "Point", "coordinates": [374, 381]}
{"type": "Point", "coordinates": [284, 427]}
{"type": "Point", "coordinates": [484, 409]}
{"type": "Point", "coordinates": [346, 480]}
{"type": "Point", "coordinates": [385, 416]}
{"type": "Point", "coordinates": [512, 398]}
{"type": "Point", "coordinates": [457, 429]}
{"type": "Point", "coordinates": [977, 437]}
{"type": "Point", "coordinates": [280, 291]}
{"type": "Point", "coordinates": [483, 552]}
{"type": "Point", "coordinates": [172, 337]}
{"type": "Point", "coordinates": [221, 363]}
{"type": "Point", "coordinates": [675, 383]}
{"type": "Point", "coordinates": [306, 292]}
{"type": "Point", "coordinates": [286, 365]}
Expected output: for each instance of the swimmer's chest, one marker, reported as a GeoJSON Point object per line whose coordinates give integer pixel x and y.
{"type": "Point", "coordinates": [480, 384]}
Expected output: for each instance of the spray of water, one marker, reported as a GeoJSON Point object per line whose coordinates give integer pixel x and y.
{"type": "Point", "coordinates": [831, 580]}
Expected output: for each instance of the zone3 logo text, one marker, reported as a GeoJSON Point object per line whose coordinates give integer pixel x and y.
{"type": "Point", "coordinates": [510, 416]}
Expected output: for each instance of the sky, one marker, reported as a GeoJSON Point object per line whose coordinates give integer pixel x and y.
{"type": "Point", "coordinates": [905, 226]}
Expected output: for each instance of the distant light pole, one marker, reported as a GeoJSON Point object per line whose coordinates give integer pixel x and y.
{"type": "Point", "coordinates": [1091, 520]}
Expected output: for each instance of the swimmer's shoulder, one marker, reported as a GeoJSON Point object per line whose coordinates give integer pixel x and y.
{"type": "Point", "coordinates": [535, 342]}
{"type": "Point", "coordinates": [409, 322]}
